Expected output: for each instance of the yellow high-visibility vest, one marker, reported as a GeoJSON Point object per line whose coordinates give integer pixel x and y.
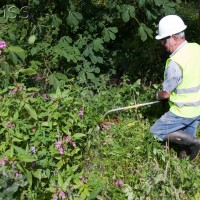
{"type": "Point", "coordinates": [184, 101]}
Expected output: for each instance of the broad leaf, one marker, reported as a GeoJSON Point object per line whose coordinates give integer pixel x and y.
{"type": "Point", "coordinates": [31, 111]}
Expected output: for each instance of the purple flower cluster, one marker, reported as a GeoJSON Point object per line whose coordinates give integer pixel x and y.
{"type": "Point", "coordinates": [61, 194]}
{"type": "Point", "coordinates": [9, 124]}
{"type": "Point", "coordinates": [15, 90]}
{"type": "Point", "coordinates": [33, 150]}
{"type": "Point", "coordinates": [2, 45]}
{"type": "Point", "coordinates": [83, 179]}
{"type": "Point", "coordinates": [60, 144]}
{"type": "Point", "coordinates": [107, 125]}
{"type": "Point", "coordinates": [45, 97]}
{"type": "Point", "coordinates": [68, 140]}
{"type": "Point", "coordinates": [2, 161]}
{"type": "Point", "coordinates": [119, 183]}
{"type": "Point", "coordinates": [12, 91]}
{"type": "Point", "coordinates": [81, 113]}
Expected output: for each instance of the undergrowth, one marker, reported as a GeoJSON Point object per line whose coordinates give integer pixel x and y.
{"type": "Point", "coordinates": [126, 153]}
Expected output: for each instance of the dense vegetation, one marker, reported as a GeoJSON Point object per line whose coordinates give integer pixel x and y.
{"type": "Point", "coordinates": [63, 65]}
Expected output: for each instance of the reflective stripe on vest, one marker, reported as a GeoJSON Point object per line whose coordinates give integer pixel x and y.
{"type": "Point", "coordinates": [181, 104]}
{"type": "Point", "coordinates": [187, 90]}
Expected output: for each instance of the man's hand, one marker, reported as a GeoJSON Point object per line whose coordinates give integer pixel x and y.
{"type": "Point", "coordinates": [162, 95]}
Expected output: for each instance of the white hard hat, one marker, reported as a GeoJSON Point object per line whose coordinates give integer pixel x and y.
{"type": "Point", "coordinates": [170, 25]}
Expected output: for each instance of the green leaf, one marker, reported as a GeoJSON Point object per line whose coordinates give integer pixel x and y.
{"type": "Point", "coordinates": [31, 39]}
{"type": "Point", "coordinates": [78, 135]}
{"type": "Point", "coordinates": [93, 58]}
{"type": "Point", "coordinates": [111, 32]}
{"type": "Point", "coordinates": [141, 3]}
{"type": "Point", "coordinates": [148, 30]}
{"type": "Point", "coordinates": [58, 92]}
{"type": "Point", "coordinates": [15, 49]}
{"type": "Point", "coordinates": [74, 18]}
{"type": "Point", "coordinates": [28, 71]}
{"type": "Point", "coordinates": [113, 29]}
{"type": "Point", "coordinates": [3, 113]}
{"type": "Point", "coordinates": [29, 178]}
{"type": "Point", "coordinates": [87, 51]}
{"type": "Point", "coordinates": [31, 111]}
{"type": "Point", "coordinates": [158, 2]}
{"type": "Point", "coordinates": [3, 20]}
{"type": "Point", "coordinates": [94, 193]}
{"type": "Point", "coordinates": [26, 158]}
{"type": "Point", "coordinates": [19, 150]}
{"type": "Point", "coordinates": [38, 174]}
{"type": "Point", "coordinates": [59, 164]}
{"type": "Point", "coordinates": [13, 57]}
{"type": "Point", "coordinates": [78, 15]}
{"type": "Point", "coordinates": [61, 76]}
{"type": "Point", "coordinates": [60, 180]}
{"type": "Point", "coordinates": [98, 44]}
{"type": "Point", "coordinates": [126, 16]}
{"type": "Point", "coordinates": [90, 76]}
{"type": "Point", "coordinates": [56, 21]}
{"type": "Point", "coordinates": [48, 173]}
{"type": "Point", "coordinates": [132, 11]}
{"type": "Point", "coordinates": [54, 81]}
{"type": "Point", "coordinates": [97, 70]}
{"type": "Point", "coordinates": [142, 33]}
{"type": "Point", "coordinates": [71, 20]}
{"type": "Point", "coordinates": [66, 183]}
{"type": "Point", "coordinates": [106, 35]}
{"type": "Point", "coordinates": [34, 50]}
{"type": "Point", "coordinates": [16, 115]}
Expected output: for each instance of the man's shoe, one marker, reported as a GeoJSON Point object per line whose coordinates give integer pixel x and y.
{"type": "Point", "coordinates": [195, 150]}
{"type": "Point", "coordinates": [183, 138]}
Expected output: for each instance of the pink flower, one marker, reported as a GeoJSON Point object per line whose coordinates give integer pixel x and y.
{"type": "Point", "coordinates": [62, 195]}
{"type": "Point", "coordinates": [60, 150]}
{"type": "Point", "coordinates": [14, 91]}
{"type": "Point", "coordinates": [81, 113]}
{"type": "Point", "coordinates": [20, 88]}
{"type": "Point", "coordinates": [83, 179]}
{"type": "Point", "coordinates": [16, 174]}
{"type": "Point", "coordinates": [68, 139]}
{"type": "Point", "coordinates": [3, 161]}
{"type": "Point", "coordinates": [58, 144]}
{"type": "Point", "coordinates": [73, 144]}
{"type": "Point", "coordinates": [55, 197]}
{"type": "Point", "coordinates": [33, 149]}
{"type": "Point", "coordinates": [45, 96]}
{"type": "Point", "coordinates": [32, 95]}
{"type": "Point", "coordinates": [105, 127]}
{"type": "Point", "coordinates": [9, 124]}
{"type": "Point", "coordinates": [3, 44]}
{"type": "Point", "coordinates": [119, 183]}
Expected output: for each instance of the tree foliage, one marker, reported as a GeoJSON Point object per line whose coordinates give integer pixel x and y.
{"type": "Point", "coordinates": [80, 39]}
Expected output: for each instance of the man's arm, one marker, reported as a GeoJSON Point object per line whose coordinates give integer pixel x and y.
{"type": "Point", "coordinates": [173, 77]}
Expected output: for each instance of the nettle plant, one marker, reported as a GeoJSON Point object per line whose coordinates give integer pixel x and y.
{"type": "Point", "coordinates": [43, 139]}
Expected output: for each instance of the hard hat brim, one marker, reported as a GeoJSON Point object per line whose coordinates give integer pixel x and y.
{"type": "Point", "coordinates": [159, 37]}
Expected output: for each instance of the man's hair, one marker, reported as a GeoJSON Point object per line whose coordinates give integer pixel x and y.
{"type": "Point", "coordinates": [180, 35]}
